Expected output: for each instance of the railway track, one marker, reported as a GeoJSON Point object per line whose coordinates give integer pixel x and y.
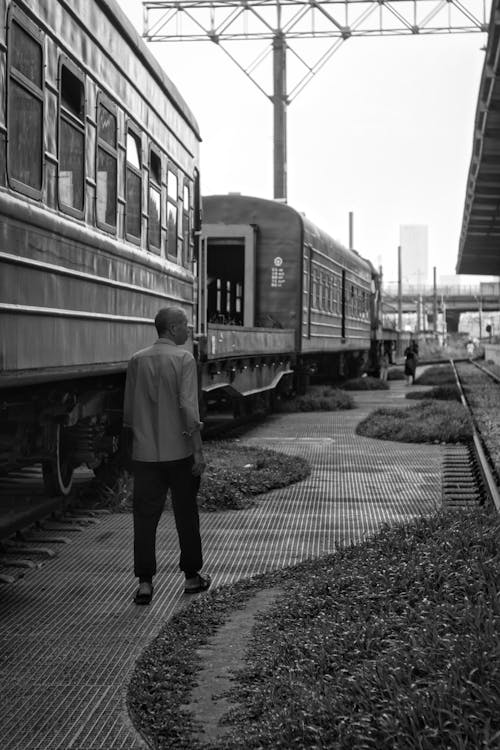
{"type": "Point", "coordinates": [34, 526]}
{"type": "Point", "coordinates": [476, 473]}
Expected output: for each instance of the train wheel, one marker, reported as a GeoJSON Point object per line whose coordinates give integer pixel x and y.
{"type": "Point", "coordinates": [58, 471]}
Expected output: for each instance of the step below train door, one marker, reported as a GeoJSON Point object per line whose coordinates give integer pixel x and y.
{"type": "Point", "coordinates": [230, 274]}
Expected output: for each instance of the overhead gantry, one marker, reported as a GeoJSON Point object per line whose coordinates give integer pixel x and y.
{"type": "Point", "coordinates": [284, 22]}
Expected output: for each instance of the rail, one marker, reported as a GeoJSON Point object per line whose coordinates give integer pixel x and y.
{"type": "Point", "coordinates": [488, 477]}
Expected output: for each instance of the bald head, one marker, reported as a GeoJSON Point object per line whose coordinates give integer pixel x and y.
{"type": "Point", "coordinates": [171, 322]}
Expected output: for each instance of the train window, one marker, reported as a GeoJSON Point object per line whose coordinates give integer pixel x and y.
{"type": "Point", "coordinates": [323, 291]}
{"type": "Point", "coordinates": [71, 141]}
{"type": "Point", "coordinates": [154, 210]}
{"type": "Point", "coordinates": [155, 168]}
{"type": "Point", "coordinates": [186, 229]}
{"type": "Point", "coordinates": [239, 298]}
{"type": "Point", "coordinates": [315, 290]}
{"type": "Point", "coordinates": [352, 301]}
{"type": "Point", "coordinates": [106, 167]}
{"type": "Point", "coordinates": [133, 186]}
{"type": "Point", "coordinates": [172, 192]}
{"type": "Point", "coordinates": [26, 55]}
{"type": "Point", "coordinates": [106, 125]}
{"type": "Point", "coordinates": [219, 296]}
{"type": "Point", "coordinates": [172, 187]}
{"type": "Point", "coordinates": [329, 293]}
{"type": "Point", "coordinates": [25, 110]}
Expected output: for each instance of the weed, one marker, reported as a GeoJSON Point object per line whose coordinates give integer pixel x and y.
{"type": "Point", "coordinates": [426, 422]}
{"type": "Point", "coordinates": [365, 384]}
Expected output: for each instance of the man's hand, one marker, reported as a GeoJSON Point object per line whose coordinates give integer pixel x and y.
{"type": "Point", "coordinates": [199, 464]}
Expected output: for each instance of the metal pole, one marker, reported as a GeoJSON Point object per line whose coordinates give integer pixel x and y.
{"type": "Point", "coordinates": [279, 100]}
{"type": "Point", "coordinates": [434, 305]}
{"type": "Point", "coordinates": [400, 292]}
{"type": "Point", "coordinates": [351, 230]}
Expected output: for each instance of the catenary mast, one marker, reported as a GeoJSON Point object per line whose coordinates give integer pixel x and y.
{"type": "Point", "coordinates": [281, 23]}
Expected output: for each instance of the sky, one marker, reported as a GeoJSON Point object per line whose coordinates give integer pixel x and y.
{"type": "Point", "coordinates": [384, 130]}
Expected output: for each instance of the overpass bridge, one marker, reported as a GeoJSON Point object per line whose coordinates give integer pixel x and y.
{"type": "Point", "coordinates": [448, 300]}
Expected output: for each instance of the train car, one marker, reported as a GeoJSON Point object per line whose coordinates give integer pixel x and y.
{"type": "Point", "coordinates": [99, 200]}
{"type": "Point", "coordinates": [267, 267]}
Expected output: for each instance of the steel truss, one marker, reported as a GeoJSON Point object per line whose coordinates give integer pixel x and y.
{"type": "Point", "coordinates": [284, 21]}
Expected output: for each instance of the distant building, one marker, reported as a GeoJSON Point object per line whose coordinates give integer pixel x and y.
{"type": "Point", "coordinates": [414, 241]}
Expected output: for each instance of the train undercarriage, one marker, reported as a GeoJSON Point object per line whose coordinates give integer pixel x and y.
{"type": "Point", "coordinates": [61, 426]}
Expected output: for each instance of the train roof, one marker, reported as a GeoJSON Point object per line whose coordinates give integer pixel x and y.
{"type": "Point", "coordinates": [125, 27]}
{"type": "Point", "coordinates": [227, 199]}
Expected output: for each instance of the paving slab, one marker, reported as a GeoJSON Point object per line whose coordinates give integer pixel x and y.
{"type": "Point", "coordinates": [70, 633]}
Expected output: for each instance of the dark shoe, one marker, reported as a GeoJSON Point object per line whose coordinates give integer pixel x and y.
{"type": "Point", "coordinates": [143, 597]}
{"type": "Point", "coordinates": [196, 584]}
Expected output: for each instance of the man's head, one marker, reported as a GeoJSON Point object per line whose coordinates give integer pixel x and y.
{"type": "Point", "coordinates": [172, 323]}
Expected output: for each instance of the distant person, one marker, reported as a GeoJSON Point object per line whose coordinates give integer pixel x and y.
{"type": "Point", "coordinates": [410, 363]}
{"type": "Point", "coordinates": [385, 361]}
{"type": "Point", "coordinates": [470, 348]}
{"type": "Point", "coordinates": [161, 412]}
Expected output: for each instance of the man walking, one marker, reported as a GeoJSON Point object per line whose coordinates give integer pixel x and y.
{"type": "Point", "coordinates": [161, 410]}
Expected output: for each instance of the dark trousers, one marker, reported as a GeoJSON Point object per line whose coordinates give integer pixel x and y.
{"type": "Point", "coordinates": [151, 482]}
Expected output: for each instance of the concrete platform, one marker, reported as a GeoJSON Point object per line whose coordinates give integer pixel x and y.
{"type": "Point", "coordinates": [70, 634]}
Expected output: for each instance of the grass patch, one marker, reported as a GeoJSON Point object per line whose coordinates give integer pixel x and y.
{"type": "Point", "coordinates": [389, 644]}
{"type": "Point", "coordinates": [426, 422]}
{"type": "Point", "coordinates": [318, 398]}
{"type": "Point", "coordinates": [436, 375]}
{"type": "Point", "coordinates": [234, 475]}
{"type": "Point", "coordinates": [439, 392]}
{"type": "Point", "coordinates": [365, 384]}
{"type": "Point", "coordinates": [395, 373]}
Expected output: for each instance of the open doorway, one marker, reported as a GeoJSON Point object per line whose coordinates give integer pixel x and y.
{"type": "Point", "coordinates": [225, 280]}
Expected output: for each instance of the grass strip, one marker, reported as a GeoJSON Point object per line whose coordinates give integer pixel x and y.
{"type": "Point", "coordinates": [317, 398]}
{"type": "Point", "coordinates": [429, 421]}
{"type": "Point", "coordinates": [367, 383]}
{"type": "Point", "coordinates": [440, 392]}
{"type": "Point", "coordinates": [391, 644]}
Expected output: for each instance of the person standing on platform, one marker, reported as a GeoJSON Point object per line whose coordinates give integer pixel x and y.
{"type": "Point", "coordinates": [385, 361]}
{"type": "Point", "coordinates": [161, 414]}
{"type": "Point", "coordinates": [410, 363]}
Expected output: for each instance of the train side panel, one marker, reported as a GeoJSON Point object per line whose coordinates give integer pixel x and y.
{"type": "Point", "coordinates": [89, 296]}
{"type": "Point", "coordinates": [99, 187]}
{"type": "Point", "coordinates": [75, 299]}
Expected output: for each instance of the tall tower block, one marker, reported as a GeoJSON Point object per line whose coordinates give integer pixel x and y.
{"type": "Point", "coordinates": [414, 241]}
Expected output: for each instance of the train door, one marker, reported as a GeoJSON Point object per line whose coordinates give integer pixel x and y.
{"type": "Point", "coordinates": [230, 274]}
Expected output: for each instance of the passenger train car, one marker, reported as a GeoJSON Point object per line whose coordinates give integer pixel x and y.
{"type": "Point", "coordinates": [99, 200]}
{"type": "Point", "coordinates": [266, 267]}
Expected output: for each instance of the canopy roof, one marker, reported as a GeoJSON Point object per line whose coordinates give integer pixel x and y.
{"type": "Point", "coordinates": [479, 249]}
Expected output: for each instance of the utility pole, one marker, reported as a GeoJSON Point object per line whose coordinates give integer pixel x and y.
{"type": "Point", "coordinates": [400, 291]}
{"type": "Point", "coordinates": [284, 22]}
{"type": "Point", "coordinates": [434, 305]}
{"type": "Point", "coordinates": [279, 106]}
{"type": "Point", "coordinates": [400, 299]}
